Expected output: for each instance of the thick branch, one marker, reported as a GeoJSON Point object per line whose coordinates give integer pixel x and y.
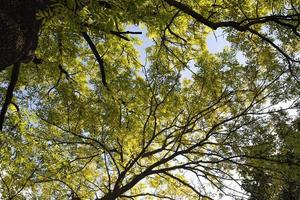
{"type": "Point", "coordinates": [245, 25]}
{"type": "Point", "coordinates": [9, 93]}
{"type": "Point", "coordinates": [240, 26]}
{"type": "Point", "coordinates": [98, 57]}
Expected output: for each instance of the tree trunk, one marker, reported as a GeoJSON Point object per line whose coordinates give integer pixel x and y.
{"type": "Point", "coordinates": [18, 30]}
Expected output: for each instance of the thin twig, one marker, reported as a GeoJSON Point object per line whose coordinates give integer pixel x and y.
{"type": "Point", "coordinates": [121, 34]}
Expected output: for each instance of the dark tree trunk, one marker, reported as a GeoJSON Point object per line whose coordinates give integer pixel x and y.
{"type": "Point", "coordinates": [18, 30]}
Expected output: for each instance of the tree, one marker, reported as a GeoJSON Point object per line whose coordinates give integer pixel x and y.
{"type": "Point", "coordinates": [132, 130]}
{"type": "Point", "coordinates": [280, 181]}
{"type": "Point", "coordinates": [19, 30]}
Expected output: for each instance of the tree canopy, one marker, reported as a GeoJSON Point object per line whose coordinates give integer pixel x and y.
{"type": "Point", "coordinates": [85, 116]}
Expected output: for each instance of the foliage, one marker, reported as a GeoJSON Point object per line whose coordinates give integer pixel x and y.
{"type": "Point", "coordinates": [278, 181]}
{"type": "Point", "coordinates": [95, 121]}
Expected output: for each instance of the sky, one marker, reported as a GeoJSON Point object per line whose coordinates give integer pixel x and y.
{"type": "Point", "coordinates": [216, 42]}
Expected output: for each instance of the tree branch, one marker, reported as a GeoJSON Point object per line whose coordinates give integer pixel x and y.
{"type": "Point", "coordinates": [98, 57]}
{"type": "Point", "coordinates": [121, 34]}
{"type": "Point", "coordinates": [9, 93]}
{"type": "Point", "coordinates": [240, 26]}
{"type": "Point", "coordinates": [245, 25]}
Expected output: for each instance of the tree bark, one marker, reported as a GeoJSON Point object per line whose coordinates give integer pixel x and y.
{"type": "Point", "coordinates": [18, 30]}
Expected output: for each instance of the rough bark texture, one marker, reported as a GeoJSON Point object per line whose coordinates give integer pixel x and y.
{"type": "Point", "coordinates": [18, 30]}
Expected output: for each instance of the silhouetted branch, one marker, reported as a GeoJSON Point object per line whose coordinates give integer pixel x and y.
{"type": "Point", "coordinates": [121, 34]}
{"type": "Point", "coordinates": [98, 57]}
{"type": "Point", "coordinates": [246, 24]}
{"type": "Point", "coordinates": [9, 93]}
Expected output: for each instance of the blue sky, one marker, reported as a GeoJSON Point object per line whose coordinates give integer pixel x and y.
{"type": "Point", "coordinates": [216, 42]}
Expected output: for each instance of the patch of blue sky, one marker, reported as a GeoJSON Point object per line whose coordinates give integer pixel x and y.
{"type": "Point", "coordinates": [216, 42]}
{"type": "Point", "coordinates": [146, 41]}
